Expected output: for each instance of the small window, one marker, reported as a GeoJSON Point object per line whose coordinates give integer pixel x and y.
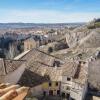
{"type": "Point", "coordinates": [56, 83]}
{"type": "Point", "coordinates": [50, 84]}
{"type": "Point", "coordinates": [44, 93]}
{"type": "Point", "coordinates": [68, 79]}
{"type": "Point", "coordinates": [58, 92]}
{"type": "Point", "coordinates": [51, 92]}
{"type": "Point", "coordinates": [67, 88]}
{"type": "Point", "coordinates": [79, 62]}
{"type": "Point", "coordinates": [56, 63]}
{"type": "Point", "coordinates": [10, 61]}
{"type": "Point", "coordinates": [63, 94]}
{"type": "Point", "coordinates": [84, 62]}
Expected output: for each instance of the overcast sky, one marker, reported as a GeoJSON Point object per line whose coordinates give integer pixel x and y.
{"type": "Point", "coordinates": [49, 11]}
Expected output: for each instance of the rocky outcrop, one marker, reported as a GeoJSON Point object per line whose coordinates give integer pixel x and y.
{"type": "Point", "coordinates": [83, 37]}
{"type": "Point", "coordinates": [91, 41]}
{"type": "Point", "coordinates": [73, 37]}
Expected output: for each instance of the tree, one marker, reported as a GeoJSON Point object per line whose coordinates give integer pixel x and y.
{"type": "Point", "coordinates": [11, 52]}
{"type": "Point", "coordinates": [50, 49]}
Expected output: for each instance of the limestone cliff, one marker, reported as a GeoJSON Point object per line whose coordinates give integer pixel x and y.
{"type": "Point", "coordinates": [74, 36]}
{"type": "Point", "coordinates": [83, 37]}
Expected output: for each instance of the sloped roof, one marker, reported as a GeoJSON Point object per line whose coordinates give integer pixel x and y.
{"type": "Point", "coordinates": [12, 65]}
{"type": "Point", "coordinates": [39, 64]}
{"type": "Point", "coordinates": [7, 66]}
{"type": "Point", "coordinates": [81, 73]}
{"type": "Point", "coordinates": [21, 55]}
{"type": "Point", "coordinates": [42, 64]}
{"type": "Point", "coordinates": [32, 79]}
{"type": "Point", "coordinates": [70, 69]}
{"type": "Point", "coordinates": [2, 72]}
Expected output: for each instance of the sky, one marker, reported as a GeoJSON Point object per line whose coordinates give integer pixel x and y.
{"type": "Point", "coordinates": [48, 11]}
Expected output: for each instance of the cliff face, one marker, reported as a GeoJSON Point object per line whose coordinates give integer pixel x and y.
{"type": "Point", "coordinates": [73, 37]}
{"type": "Point", "coordinates": [87, 40]}
{"type": "Point", "coordinates": [91, 41]}
{"type": "Point", "coordinates": [83, 37]}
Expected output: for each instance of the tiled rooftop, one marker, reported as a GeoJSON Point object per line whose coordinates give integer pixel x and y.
{"type": "Point", "coordinates": [32, 79]}
{"type": "Point", "coordinates": [12, 92]}
{"type": "Point", "coordinates": [7, 66]}
{"type": "Point", "coordinates": [82, 74]}
{"type": "Point", "coordinates": [70, 69]}
{"type": "Point", "coordinates": [41, 64]}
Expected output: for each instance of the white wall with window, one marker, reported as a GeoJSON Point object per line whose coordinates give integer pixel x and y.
{"type": "Point", "coordinates": [78, 91]}
{"type": "Point", "coordinates": [66, 84]}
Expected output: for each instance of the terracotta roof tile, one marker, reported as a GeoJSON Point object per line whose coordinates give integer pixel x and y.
{"type": "Point", "coordinates": [32, 79]}
{"type": "Point", "coordinates": [70, 69]}
{"type": "Point", "coordinates": [12, 92]}
{"type": "Point", "coordinates": [7, 66]}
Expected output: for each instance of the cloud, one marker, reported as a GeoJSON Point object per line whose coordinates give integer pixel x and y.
{"type": "Point", "coordinates": [45, 16]}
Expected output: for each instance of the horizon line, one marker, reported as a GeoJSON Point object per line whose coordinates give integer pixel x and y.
{"type": "Point", "coordinates": [41, 22]}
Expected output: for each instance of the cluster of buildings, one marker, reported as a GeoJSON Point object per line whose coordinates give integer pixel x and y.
{"type": "Point", "coordinates": [46, 74]}
{"type": "Point", "coordinates": [48, 77]}
{"type": "Point", "coordinates": [37, 40]}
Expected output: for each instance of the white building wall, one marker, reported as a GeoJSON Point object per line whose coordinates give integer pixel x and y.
{"type": "Point", "coordinates": [37, 90]}
{"type": "Point", "coordinates": [78, 91]}
{"type": "Point", "coordinates": [85, 91]}
{"type": "Point", "coordinates": [65, 83]}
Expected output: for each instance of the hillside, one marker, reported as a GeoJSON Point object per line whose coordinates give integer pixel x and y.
{"type": "Point", "coordinates": [91, 41]}
{"type": "Point", "coordinates": [72, 37]}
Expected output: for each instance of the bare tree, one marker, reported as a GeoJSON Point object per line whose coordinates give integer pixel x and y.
{"type": "Point", "coordinates": [11, 52]}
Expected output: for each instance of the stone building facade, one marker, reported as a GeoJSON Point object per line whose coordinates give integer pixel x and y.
{"type": "Point", "coordinates": [74, 84]}
{"type": "Point", "coordinates": [30, 43]}
{"type": "Point", "coordinates": [51, 88]}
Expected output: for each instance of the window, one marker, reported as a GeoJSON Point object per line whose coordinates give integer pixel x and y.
{"type": "Point", "coordinates": [63, 94]}
{"type": "Point", "coordinates": [58, 92]}
{"type": "Point", "coordinates": [68, 96]}
{"type": "Point", "coordinates": [10, 61]}
{"type": "Point", "coordinates": [44, 93]}
{"type": "Point", "coordinates": [67, 88]}
{"type": "Point", "coordinates": [56, 83]}
{"type": "Point", "coordinates": [56, 63]}
{"type": "Point", "coordinates": [79, 62]}
{"type": "Point", "coordinates": [50, 84]}
{"type": "Point", "coordinates": [68, 79]}
{"type": "Point", "coordinates": [84, 62]}
{"type": "Point", "coordinates": [51, 92]}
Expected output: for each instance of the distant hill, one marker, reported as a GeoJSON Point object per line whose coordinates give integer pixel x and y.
{"type": "Point", "coordinates": [34, 25]}
{"type": "Point", "coordinates": [94, 24]}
